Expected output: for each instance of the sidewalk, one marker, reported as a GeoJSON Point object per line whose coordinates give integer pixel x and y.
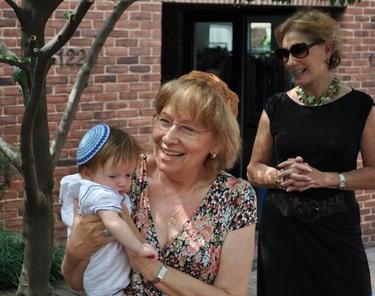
{"type": "Point", "coordinates": [371, 260]}
{"type": "Point", "coordinates": [62, 290]}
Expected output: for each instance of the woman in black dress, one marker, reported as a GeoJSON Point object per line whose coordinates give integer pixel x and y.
{"type": "Point", "coordinates": [306, 153]}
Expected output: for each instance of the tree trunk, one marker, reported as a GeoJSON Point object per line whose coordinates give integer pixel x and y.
{"type": "Point", "coordinates": [36, 163]}
{"type": "Point", "coordinates": [38, 219]}
{"type": "Point", "coordinates": [38, 243]}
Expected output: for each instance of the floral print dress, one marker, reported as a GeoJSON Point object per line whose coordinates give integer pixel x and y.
{"type": "Point", "coordinates": [229, 204]}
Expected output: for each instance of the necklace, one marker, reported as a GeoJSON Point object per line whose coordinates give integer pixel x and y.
{"type": "Point", "coordinates": [325, 98]}
{"type": "Point", "coordinates": [172, 219]}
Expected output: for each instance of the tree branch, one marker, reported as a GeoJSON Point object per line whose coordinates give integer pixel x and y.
{"type": "Point", "coordinates": [24, 82]}
{"type": "Point", "coordinates": [56, 43]}
{"type": "Point", "coordinates": [83, 77]}
{"type": "Point", "coordinates": [8, 57]}
{"type": "Point", "coordinates": [13, 61]}
{"type": "Point", "coordinates": [12, 154]}
{"type": "Point", "coordinates": [27, 128]}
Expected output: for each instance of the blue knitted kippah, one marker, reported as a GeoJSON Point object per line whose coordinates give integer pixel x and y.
{"type": "Point", "coordinates": [91, 143]}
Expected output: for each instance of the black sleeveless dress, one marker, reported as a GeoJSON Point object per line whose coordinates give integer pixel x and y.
{"type": "Point", "coordinates": [310, 242]}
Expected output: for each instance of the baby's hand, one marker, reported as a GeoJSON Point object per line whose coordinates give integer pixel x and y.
{"type": "Point", "coordinates": [146, 250]}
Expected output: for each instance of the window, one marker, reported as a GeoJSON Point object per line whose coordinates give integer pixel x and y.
{"type": "Point", "coordinates": [260, 37]}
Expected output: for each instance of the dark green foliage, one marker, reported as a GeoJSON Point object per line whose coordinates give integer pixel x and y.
{"type": "Point", "coordinates": [67, 15]}
{"type": "Point", "coordinates": [58, 255]}
{"type": "Point", "coordinates": [12, 58]}
{"type": "Point", "coordinates": [19, 76]}
{"type": "Point", "coordinates": [11, 256]}
{"type": "Point", "coordinates": [5, 172]}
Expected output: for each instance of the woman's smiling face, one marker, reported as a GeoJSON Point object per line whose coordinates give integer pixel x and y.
{"type": "Point", "coordinates": [178, 152]}
{"type": "Point", "coordinates": [312, 67]}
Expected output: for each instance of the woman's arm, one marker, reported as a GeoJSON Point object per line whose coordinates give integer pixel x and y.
{"type": "Point", "coordinates": [259, 172]}
{"type": "Point", "coordinates": [232, 278]}
{"type": "Point", "coordinates": [73, 269]}
{"type": "Point", "coordinates": [86, 238]}
{"type": "Point", "coordinates": [234, 273]}
{"type": "Point", "coordinates": [364, 178]}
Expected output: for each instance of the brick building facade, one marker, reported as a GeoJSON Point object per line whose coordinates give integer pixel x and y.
{"type": "Point", "coordinates": [147, 46]}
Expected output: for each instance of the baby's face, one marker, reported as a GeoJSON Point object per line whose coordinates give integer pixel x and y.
{"type": "Point", "coordinates": [117, 176]}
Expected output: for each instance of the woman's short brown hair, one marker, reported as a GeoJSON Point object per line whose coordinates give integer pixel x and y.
{"type": "Point", "coordinates": [318, 26]}
{"type": "Point", "coordinates": [209, 102]}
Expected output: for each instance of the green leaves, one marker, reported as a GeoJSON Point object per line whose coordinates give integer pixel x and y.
{"type": "Point", "coordinates": [10, 58]}
{"type": "Point", "coordinates": [11, 257]}
{"type": "Point", "coordinates": [5, 172]}
{"type": "Point", "coordinates": [13, 59]}
{"type": "Point", "coordinates": [67, 15]}
{"type": "Point", "coordinates": [19, 76]}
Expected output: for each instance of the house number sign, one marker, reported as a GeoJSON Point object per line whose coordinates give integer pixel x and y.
{"type": "Point", "coordinates": [71, 56]}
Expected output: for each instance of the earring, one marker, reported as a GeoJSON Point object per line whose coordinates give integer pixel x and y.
{"type": "Point", "coordinates": [213, 155]}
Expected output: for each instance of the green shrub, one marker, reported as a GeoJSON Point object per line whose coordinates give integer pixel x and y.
{"type": "Point", "coordinates": [5, 172]}
{"type": "Point", "coordinates": [11, 257]}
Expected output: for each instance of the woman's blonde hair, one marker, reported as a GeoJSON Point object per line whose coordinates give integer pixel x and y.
{"type": "Point", "coordinates": [318, 26]}
{"type": "Point", "coordinates": [209, 102]}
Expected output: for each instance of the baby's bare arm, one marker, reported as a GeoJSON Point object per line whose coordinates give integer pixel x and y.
{"type": "Point", "coordinates": [125, 235]}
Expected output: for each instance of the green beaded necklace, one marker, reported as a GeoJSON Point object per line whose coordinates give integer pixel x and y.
{"type": "Point", "coordinates": [327, 97]}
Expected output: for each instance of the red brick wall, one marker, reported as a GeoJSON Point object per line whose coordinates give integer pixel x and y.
{"type": "Point", "coordinates": [127, 77]}
{"type": "Point", "coordinates": [358, 30]}
{"type": "Point", "coordinates": [120, 91]}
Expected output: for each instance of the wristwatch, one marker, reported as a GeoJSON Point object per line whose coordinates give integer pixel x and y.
{"type": "Point", "coordinates": [342, 181]}
{"type": "Point", "coordinates": [160, 275]}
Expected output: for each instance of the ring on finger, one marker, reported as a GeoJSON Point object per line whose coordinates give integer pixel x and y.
{"type": "Point", "coordinates": [279, 180]}
{"type": "Point", "coordinates": [106, 233]}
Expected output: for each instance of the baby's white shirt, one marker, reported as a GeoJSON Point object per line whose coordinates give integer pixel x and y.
{"type": "Point", "coordinates": [108, 269]}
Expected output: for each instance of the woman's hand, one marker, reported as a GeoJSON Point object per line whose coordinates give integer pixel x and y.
{"type": "Point", "coordinates": [87, 236]}
{"type": "Point", "coordinates": [145, 266]}
{"type": "Point", "coordinates": [299, 175]}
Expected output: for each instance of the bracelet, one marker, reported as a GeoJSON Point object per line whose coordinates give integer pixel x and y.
{"type": "Point", "coordinates": [342, 181]}
{"type": "Point", "coordinates": [279, 180]}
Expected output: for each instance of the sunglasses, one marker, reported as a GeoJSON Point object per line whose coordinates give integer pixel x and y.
{"type": "Point", "coordinates": [298, 50]}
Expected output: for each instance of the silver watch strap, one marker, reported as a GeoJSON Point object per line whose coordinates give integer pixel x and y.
{"type": "Point", "coordinates": [160, 275]}
{"type": "Point", "coordinates": [342, 181]}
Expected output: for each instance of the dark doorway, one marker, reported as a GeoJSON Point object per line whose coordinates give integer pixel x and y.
{"type": "Point", "coordinates": [236, 43]}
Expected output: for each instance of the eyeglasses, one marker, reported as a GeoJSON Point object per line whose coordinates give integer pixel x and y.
{"type": "Point", "coordinates": [184, 130]}
{"type": "Point", "coordinates": [298, 50]}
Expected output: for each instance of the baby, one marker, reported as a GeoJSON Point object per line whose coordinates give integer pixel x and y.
{"type": "Point", "coordinates": [106, 159]}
